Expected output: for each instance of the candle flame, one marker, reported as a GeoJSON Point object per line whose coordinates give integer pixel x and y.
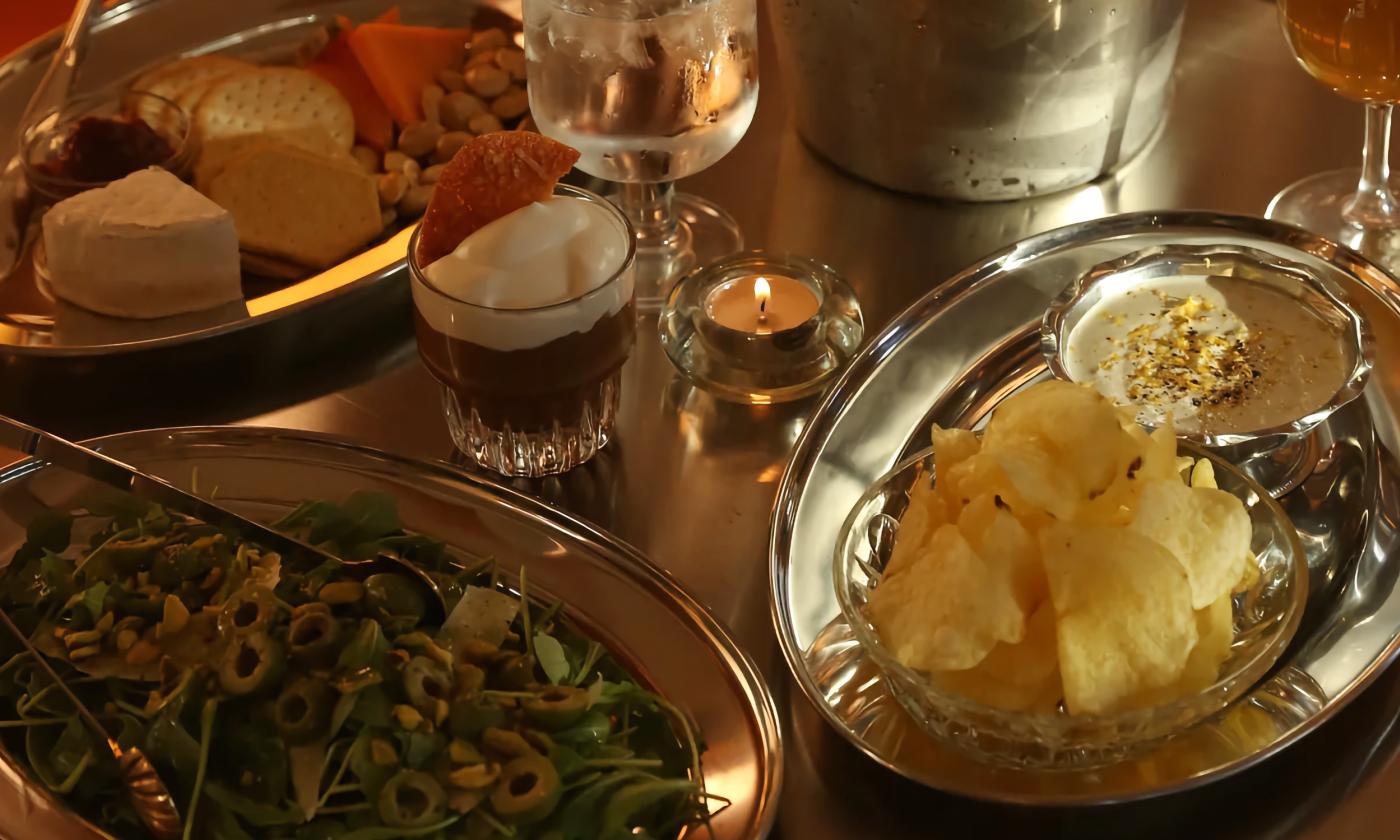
{"type": "Point", "coordinates": [762, 292]}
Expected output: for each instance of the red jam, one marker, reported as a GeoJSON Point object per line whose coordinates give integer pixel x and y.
{"type": "Point", "coordinates": [107, 148]}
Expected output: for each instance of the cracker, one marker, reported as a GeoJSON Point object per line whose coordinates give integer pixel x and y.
{"type": "Point", "coordinates": [175, 78]}
{"type": "Point", "coordinates": [214, 154]}
{"type": "Point", "coordinates": [270, 267]}
{"type": "Point", "coordinates": [273, 99]}
{"type": "Point", "coordinates": [294, 205]}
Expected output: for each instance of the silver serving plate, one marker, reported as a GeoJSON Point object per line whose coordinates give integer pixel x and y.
{"type": "Point", "coordinates": [963, 348]}
{"type": "Point", "coordinates": [359, 299]}
{"type": "Point", "coordinates": [612, 592]}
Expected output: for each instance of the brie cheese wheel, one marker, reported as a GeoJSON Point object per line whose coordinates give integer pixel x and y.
{"type": "Point", "coordinates": [145, 246]}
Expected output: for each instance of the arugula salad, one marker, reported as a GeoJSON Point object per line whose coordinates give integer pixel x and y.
{"type": "Point", "coordinates": [284, 700]}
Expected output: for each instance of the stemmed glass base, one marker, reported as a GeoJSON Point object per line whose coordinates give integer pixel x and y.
{"type": "Point", "coordinates": [675, 233]}
{"type": "Point", "coordinates": [1317, 202]}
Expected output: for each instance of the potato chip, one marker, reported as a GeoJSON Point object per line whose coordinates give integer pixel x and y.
{"type": "Point", "coordinates": [1206, 530]}
{"type": "Point", "coordinates": [924, 514]}
{"type": "Point", "coordinates": [1125, 623]}
{"type": "Point", "coordinates": [947, 609]}
{"type": "Point", "coordinates": [1020, 677]}
{"type": "Point", "coordinates": [1006, 545]}
{"type": "Point", "coordinates": [1215, 630]}
{"type": "Point", "coordinates": [952, 446]}
{"type": "Point", "coordinates": [1037, 478]}
{"type": "Point", "coordinates": [1203, 474]}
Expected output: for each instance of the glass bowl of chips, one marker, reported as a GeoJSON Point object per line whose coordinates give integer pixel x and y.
{"type": "Point", "coordinates": [1010, 707]}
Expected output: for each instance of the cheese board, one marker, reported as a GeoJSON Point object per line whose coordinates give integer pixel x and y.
{"type": "Point", "coordinates": [298, 143]}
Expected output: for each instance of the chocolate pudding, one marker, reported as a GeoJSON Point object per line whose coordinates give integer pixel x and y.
{"type": "Point", "coordinates": [526, 324]}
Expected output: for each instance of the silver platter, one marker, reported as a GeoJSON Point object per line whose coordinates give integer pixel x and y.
{"type": "Point", "coordinates": [611, 590]}
{"type": "Point", "coordinates": [950, 358]}
{"type": "Point", "coordinates": [361, 300]}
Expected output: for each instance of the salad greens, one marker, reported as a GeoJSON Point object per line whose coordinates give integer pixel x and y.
{"type": "Point", "coordinates": [284, 700]}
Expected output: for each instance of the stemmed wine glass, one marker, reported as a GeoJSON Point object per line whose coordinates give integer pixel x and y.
{"type": "Point", "coordinates": [649, 91]}
{"type": "Point", "coordinates": [1353, 46]}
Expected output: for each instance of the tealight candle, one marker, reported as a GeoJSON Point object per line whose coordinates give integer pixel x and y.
{"type": "Point", "coordinates": [762, 304]}
{"type": "Point", "coordinates": [760, 328]}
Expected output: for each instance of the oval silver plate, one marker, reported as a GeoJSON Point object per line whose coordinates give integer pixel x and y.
{"type": "Point", "coordinates": [611, 590]}
{"type": "Point", "coordinates": [961, 349]}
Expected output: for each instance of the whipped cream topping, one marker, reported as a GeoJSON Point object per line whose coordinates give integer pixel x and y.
{"type": "Point", "coordinates": [525, 279]}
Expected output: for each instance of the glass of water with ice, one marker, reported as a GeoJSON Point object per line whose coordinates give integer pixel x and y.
{"type": "Point", "coordinates": [649, 91]}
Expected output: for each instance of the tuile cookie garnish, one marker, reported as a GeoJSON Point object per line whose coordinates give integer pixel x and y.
{"type": "Point", "coordinates": [490, 176]}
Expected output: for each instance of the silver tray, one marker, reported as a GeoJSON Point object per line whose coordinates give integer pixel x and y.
{"type": "Point", "coordinates": [363, 296]}
{"type": "Point", "coordinates": [610, 589]}
{"type": "Point", "coordinates": [950, 358]}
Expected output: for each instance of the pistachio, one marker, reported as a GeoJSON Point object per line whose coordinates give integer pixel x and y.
{"type": "Point", "coordinates": [488, 39]}
{"type": "Point", "coordinates": [419, 138]}
{"type": "Point", "coordinates": [206, 542]}
{"type": "Point", "coordinates": [441, 709]}
{"type": "Point", "coordinates": [485, 124]}
{"type": "Point", "coordinates": [432, 174]}
{"type": "Point", "coordinates": [463, 801]}
{"type": "Point", "coordinates": [382, 752]}
{"type": "Point", "coordinates": [143, 652]}
{"type": "Point", "coordinates": [82, 638]}
{"type": "Point", "coordinates": [431, 100]}
{"type": "Point", "coordinates": [392, 186]}
{"type": "Point", "coordinates": [451, 81]}
{"type": "Point", "coordinates": [486, 80]}
{"type": "Point", "coordinates": [367, 158]}
{"type": "Point", "coordinates": [511, 104]}
{"type": "Point", "coordinates": [341, 592]}
{"type": "Point", "coordinates": [407, 716]}
{"type": "Point", "coordinates": [458, 107]}
{"type": "Point", "coordinates": [105, 622]}
{"type": "Point", "coordinates": [174, 618]}
{"type": "Point", "coordinates": [512, 60]}
{"type": "Point", "coordinates": [84, 652]}
{"type": "Point", "coordinates": [213, 579]}
{"type": "Point", "coordinates": [125, 639]}
{"type": "Point", "coordinates": [475, 775]}
{"type": "Point", "coordinates": [448, 144]}
{"type": "Point", "coordinates": [462, 752]}
{"type": "Point", "coordinates": [131, 622]}
{"type": "Point", "coordinates": [394, 161]}
{"type": "Point", "coordinates": [415, 201]}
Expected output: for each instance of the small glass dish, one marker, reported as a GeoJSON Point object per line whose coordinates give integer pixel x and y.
{"type": "Point", "coordinates": [1265, 618]}
{"type": "Point", "coordinates": [45, 138]}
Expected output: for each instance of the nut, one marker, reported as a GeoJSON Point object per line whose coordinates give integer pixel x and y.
{"type": "Point", "coordinates": [481, 57]}
{"type": "Point", "coordinates": [488, 39]}
{"type": "Point", "coordinates": [367, 158]}
{"type": "Point", "coordinates": [475, 775]}
{"type": "Point", "coordinates": [432, 174]}
{"type": "Point", "coordinates": [382, 752]}
{"type": "Point", "coordinates": [82, 638]}
{"type": "Point", "coordinates": [394, 161]}
{"type": "Point", "coordinates": [84, 652]}
{"type": "Point", "coordinates": [431, 99]}
{"type": "Point", "coordinates": [212, 579]}
{"type": "Point", "coordinates": [106, 621]}
{"type": "Point", "coordinates": [485, 124]}
{"type": "Point", "coordinates": [487, 80]}
{"type": "Point", "coordinates": [143, 652]}
{"type": "Point", "coordinates": [125, 639]}
{"type": "Point", "coordinates": [341, 592]}
{"type": "Point", "coordinates": [407, 716]}
{"type": "Point", "coordinates": [513, 62]}
{"type": "Point", "coordinates": [458, 107]}
{"type": "Point", "coordinates": [448, 144]}
{"type": "Point", "coordinates": [411, 170]}
{"type": "Point", "coordinates": [511, 104]}
{"type": "Point", "coordinates": [451, 81]}
{"type": "Point", "coordinates": [527, 124]}
{"type": "Point", "coordinates": [388, 216]}
{"type": "Point", "coordinates": [415, 201]}
{"type": "Point", "coordinates": [392, 186]}
{"type": "Point", "coordinates": [418, 139]}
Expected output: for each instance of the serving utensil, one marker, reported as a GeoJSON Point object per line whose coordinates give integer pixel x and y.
{"type": "Point", "coordinates": [99, 467]}
{"type": "Point", "coordinates": [149, 796]}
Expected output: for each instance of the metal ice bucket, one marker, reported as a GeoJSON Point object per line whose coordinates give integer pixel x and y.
{"type": "Point", "coordinates": [979, 99]}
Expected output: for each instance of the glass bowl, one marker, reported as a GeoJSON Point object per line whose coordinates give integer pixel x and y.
{"type": "Point", "coordinates": [1265, 618]}
{"type": "Point", "coordinates": [45, 138]}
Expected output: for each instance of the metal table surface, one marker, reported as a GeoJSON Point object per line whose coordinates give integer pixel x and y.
{"type": "Point", "coordinates": [691, 480]}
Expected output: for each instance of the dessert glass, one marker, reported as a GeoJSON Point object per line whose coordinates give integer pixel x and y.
{"type": "Point", "coordinates": [533, 391]}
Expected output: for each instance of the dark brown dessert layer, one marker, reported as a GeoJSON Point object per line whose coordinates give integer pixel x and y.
{"type": "Point", "coordinates": [534, 387]}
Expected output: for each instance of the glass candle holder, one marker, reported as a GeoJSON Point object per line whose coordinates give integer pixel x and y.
{"type": "Point", "coordinates": [761, 328]}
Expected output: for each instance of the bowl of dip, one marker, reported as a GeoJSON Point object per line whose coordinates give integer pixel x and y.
{"type": "Point", "coordinates": [1238, 348]}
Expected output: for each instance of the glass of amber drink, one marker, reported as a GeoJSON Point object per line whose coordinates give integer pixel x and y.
{"type": "Point", "coordinates": [526, 326]}
{"type": "Point", "coordinates": [1352, 46]}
